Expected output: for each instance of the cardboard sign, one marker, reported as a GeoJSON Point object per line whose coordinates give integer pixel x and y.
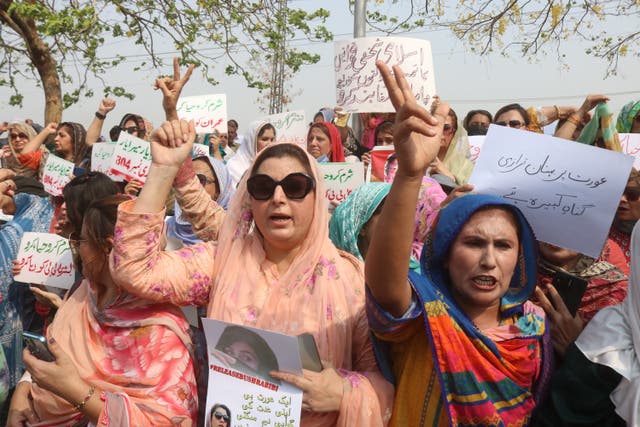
{"type": "Point", "coordinates": [290, 127]}
{"type": "Point", "coordinates": [199, 150]}
{"type": "Point", "coordinates": [101, 155]}
{"type": "Point", "coordinates": [475, 146]}
{"type": "Point", "coordinates": [569, 192]}
{"type": "Point", "coordinates": [238, 377]}
{"type": "Point", "coordinates": [57, 173]}
{"type": "Point", "coordinates": [359, 85]}
{"type": "Point", "coordinates": [46, 260]}
{"type": "Point", "coordinates": [209, 112]}
{"type": "Point", "coordinates": [131, 158]}
{"type": "Point", "coordinates": [631, 145]}
{"type": "Point", "coordinates": [340, 179]}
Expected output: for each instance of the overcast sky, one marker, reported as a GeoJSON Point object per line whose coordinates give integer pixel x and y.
{"type": "Point", "coordinates": [467, 81]}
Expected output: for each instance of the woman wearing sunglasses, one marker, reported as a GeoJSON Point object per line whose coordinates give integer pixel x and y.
{"type": "Point", "coordinates": [273, 267]}
{"type": "Point", "coordinates": [214, 179]}
{"type": "Point", "coordinates": [30, 163]}
{"type": "Point", "coordinates": [220, 416]}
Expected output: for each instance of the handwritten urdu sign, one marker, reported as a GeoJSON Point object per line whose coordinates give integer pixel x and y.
{"type": "Point", "coordinates": [631, 145]}
{"type": "Point", "coordinates": [46, 260]}
{"type": "Point", "coordinates": [340, 179]}
{"type": "Point", "coordinates": [475, 146]}
{"type": "Point", "coordinates": [101, 155]}
{"type": "Point", "coordinates": [131, 158]}
{"type": "Point", "coordinates": [209, 112]}
{"type": "Point", "coordinates": [290, 127]}
{"type": "Point", "coordinates": [199, 150]}
{"type": "Point", "coordinates": [359, 86]}
{"type": "Point", "coordinates": [252, 396]}
{"type": "Point", "coordinates": [568, 191]}
{"type": "Point", "coordinates": [57, 173]}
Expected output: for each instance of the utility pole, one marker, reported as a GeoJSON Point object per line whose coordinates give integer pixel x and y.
{"type": "Point", "coordinates": [359, 30]}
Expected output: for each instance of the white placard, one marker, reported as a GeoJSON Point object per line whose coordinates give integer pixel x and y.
{"type": "Point", "coordinates": [209, 112]}
{"type": "Point", "coordinates": [57, 173]}
{"type": "Point", "coordinates": [101, 155]}
{"type": "Point", "coordinates": [568, 191]}
{"type": "Point", "coordinates": [630, 143]}
{"type": "Point", "coordinates": [475, 146]}
{"type": "Point", "coordinates": [46, 260]}
{"type": "Point", "coordinates": [359, 85]}
{"type": "Point", "coordinates": [131, 158]}
{"type": "Point", "coordinates": [290, 127]}
{"type": "Point", "coordinates": [340, 179]}
{"type": "Point", "coordinates": [253, 397]}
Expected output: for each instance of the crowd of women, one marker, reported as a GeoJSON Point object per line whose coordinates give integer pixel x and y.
{"type": "Point", "coordinates": [429, 304]}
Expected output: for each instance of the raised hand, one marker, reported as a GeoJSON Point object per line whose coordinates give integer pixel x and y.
{"type": "Point", "coordinates": [171, 89]}
{"type": "Point", "coordinates": [172, 142]}
{"type": "Point", "coordinates": [106, 105]}
{"type": "Point", "coordinates": [590, 103]}
{"type": "Point", "coordinates": [417, 133]}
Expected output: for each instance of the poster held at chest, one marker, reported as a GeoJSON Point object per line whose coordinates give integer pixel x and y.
{"type": "Point", "coordinates": [46, 260]}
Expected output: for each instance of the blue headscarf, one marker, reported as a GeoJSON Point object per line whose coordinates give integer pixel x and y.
{"type": "Point", "coordinates": [352, 214]}
{"type": "Point", "coordinates": [435, 278]}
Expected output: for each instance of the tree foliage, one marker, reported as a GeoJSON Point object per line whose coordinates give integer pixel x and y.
{"type": "Point", "coordinates": [526, 28]}
{"type": "Point", "coordinates": [52, 41]}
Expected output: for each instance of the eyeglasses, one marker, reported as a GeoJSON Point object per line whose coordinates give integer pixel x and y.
{"type": "Point", "coordinates": [18, 135]}
{"type": "Point", "coordinates": [511, 123]}
{"type": "Point", "coordinates": [75, 241]}
{"type": "Point", "coordinates": [131, 129]}
{"type": "Point", "coordinates": [632, 194]}
{"type": "Point", "coordinates": [220, 416]}
{"type": "Point", "coordinates": [296, 186]}
{"type": "Point", "coordinates": [204, 180]}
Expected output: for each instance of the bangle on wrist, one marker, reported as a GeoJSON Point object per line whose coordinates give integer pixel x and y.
{"type": "Point", "coordinates": [100, 116]}
{"type": "Point", "coordinates": [81, 405]}
{"type": "Point", "coordinates": [572, 119]}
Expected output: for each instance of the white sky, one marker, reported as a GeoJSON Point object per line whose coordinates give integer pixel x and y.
{"type": "Point", "coordinates": [467, 81]}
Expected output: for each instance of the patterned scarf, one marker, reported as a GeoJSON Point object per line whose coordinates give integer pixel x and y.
{"type": "Point", "coordinates": [491, 377]}
{"type": "Point", "coordinates": [627, 116]}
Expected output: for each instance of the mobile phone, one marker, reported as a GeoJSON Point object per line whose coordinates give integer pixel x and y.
{"type": "Point", "coordinates": [77, 171]}
{"type": "Point", "coordinates": [37, 345]}
{"type": "Point", "coordinates": [571, 289]}
{"type": "Point", "coordinates": [309, 355]}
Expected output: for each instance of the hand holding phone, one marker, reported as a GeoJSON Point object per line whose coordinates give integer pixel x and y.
{"type": "Point", "coordinates": [37, 345]}
{"type": "Point", "coordinates": [571, 289]}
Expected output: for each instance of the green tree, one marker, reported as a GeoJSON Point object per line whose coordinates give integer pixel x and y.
{"type": "Point", "coordinates": [38, 37]}
{"type": "Point", "coordinates": [524, 27]}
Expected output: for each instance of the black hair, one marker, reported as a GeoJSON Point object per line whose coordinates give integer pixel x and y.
{"type": "Point", "coordinates": [519, 108]}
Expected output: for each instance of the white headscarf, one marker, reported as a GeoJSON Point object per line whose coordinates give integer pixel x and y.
{"type": "Point", "coordinates": [240, 162]}
{"type": "Point", "coordinates": [612, 338]}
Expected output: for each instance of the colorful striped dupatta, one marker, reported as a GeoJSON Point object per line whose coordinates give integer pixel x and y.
{"type": "Point", "coordinates": [493, 377]}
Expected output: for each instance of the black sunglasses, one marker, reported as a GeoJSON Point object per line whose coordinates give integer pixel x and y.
{"type": "Point", "coordinates": [131, 129]}
{"type": "Point", "coordinates": [632, 194]}
{"type": "Point", "coordinates": [512, 123]}
{"type": "Point", "coordinates": [16, 135]}
{"type": "Point", "coordinates": [220, 416]}
{"type": "Point", "coordinates": [295, 186]}
{"type": "Point", "coordinates": [204, 180]}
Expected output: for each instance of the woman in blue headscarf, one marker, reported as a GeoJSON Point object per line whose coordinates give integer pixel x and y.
{"type": "Point", "coordinates": [463, 342]}
{"type": "Point", "coordinates": [26, 200]}
{"type": "Point", "coordinates": [216, 181]}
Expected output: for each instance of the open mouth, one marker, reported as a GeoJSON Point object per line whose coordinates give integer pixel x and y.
{"type": "Point", "coordinates": [280, 219]}
{"type": "Point", "coordinates": [484, 282]}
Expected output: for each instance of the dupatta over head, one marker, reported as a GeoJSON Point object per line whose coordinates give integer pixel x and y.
{"type": "Point", "coordinates": [494, 376]}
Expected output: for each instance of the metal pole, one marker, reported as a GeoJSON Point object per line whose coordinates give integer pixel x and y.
{"type": "Point", "coordinates": [359, 30]}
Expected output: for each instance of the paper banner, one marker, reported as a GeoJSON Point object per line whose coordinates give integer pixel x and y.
{"type": "Point", "coordinates": [252, 396]}
{"type": "Point", "coordinates": [101, 155]}
{"type": "Point", "coordinates": [57, 173]}
{"type": "Point", "coordinates": [209, 112]}
{"type": "Point", "coordinates": [46, 260]}
{"type": "Point", "coordinates": [340, 179]}
{"type": "Point", "coordinates": [379, 166]}
{"type": "Point", "coordinates": [199, 150]}
{"type": "Point", "coordinates": [131, 158]}
{"type": "Point", "coordinates": [359, 86]}
{"type": "Point", "coordinates": [631, 145]}
{"type": "Point", "coordinates": [475, 146]}
{"type": "Point", "coordinates": [290, 127]}
{"type": "Point", "coordinates": [568, 191]}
